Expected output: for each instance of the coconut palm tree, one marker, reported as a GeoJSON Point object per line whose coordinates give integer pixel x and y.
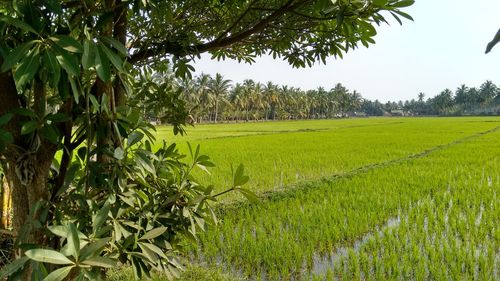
{"type": "Point", "coordinates": [340, 96]}
{"type": "Point", "coordinates": [188, 94]}
{"type": "Point", "coordinates": [461, 95]}
{"type": "Point", "coordinates": [257, 100]}
{"type": "Point", "coordinates": [271, 99]}
{"type": "Point", "coordinates": [248, 96]}
{"type": "Point", "coordinates": [443, 102]}
{"type": "Point", "coordinates": [202, 91]}
{"type": "Point", "coordinates": [355, 100]}
{"type": "Point", "coordinates": [421, 97]}
{"type": "Point", "coordinates": [487, 93]}
{"type": "Point", "coordinates": [219, 89]}
{"type": "Point", "coordinates": [236, 99]}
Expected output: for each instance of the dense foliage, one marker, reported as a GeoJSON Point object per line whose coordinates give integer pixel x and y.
{"type": "Point", "coordinates": [483, 100]}
{"type": "Point", "coordinates": [214, 99]}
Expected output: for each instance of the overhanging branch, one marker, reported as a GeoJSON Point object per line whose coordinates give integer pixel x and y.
{"type": "Point", "coordinates": [222, 41]}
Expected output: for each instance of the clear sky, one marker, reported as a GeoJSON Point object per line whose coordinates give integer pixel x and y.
{"type": "Point", "coordinates": [443, 48]}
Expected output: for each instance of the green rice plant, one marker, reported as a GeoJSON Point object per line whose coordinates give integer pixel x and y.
{"type": "Point", "coordinates": [373, 170]}
{"type": "Point", "coordinates": [279, 155]}
{"type": "Point", "coordinates": [312, 218]}
{"type": "Point", "coordinates": [192, 273]}
{"type": "Point", "coordinates": [450, 235]}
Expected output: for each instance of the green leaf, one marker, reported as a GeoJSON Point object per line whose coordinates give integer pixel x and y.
{"type": "Point", "coordinates": [59, 230]}
{"type": "Point", "coordinates": [18, 23]}
{"type": "Point", "coordinates": [102, 65]}
{"type": "Point", "coordinates": [115, 44]}
{"type": "Point", "coordinates": [59, 274]}
{"type": "Point", "coordinates": [403, 14]}
{"type": "Point", "coordinates": [24, 112]}
{"type": "Point", "coordinates": [28, 67]}
{"type": "Point", "coordinates": [380, 2]}
{"type": "Point", "coordinates": [113, 58]}
{"type": "Point", "coordinates": [70, 174]}
{"type": "Point", "coordinates": [4, 119]}
{"type": "Point", "coordinates": [134, 138]}
{"type": "Point", "coordinates": [94, 248]}
{"type": "Point", "coordinates": [183, 69]}
{"type": "Point", "coordinates": [204, 164]}
{"type": "Point", "coordinates": [5, 138]}
{"type": "Point", "coordinates": [48, 256]}
{"type": "Point", "coordinates": [144, 161]}
{"type": "Point", "coordinates": [395, 16]}
{"type": "Point", "coordinates": [239, 178]}
{"type": "Point", "coordinates": [89, 53]}
{"type": "Point", "coordinates": [154, 248]}
{"type": "Point", "coordinates": [137, 267]}
{"type": "Point", "coordinates": [152, 256]}
{"type": "Point", "coordinates": [249, 195]}
{"type": "Point", "coordinates": [58, 117]}
{"type": "Point", "coordinates": [69, 63]}
{"type": "Point", "coordinates": [100, 217]}
{"type": "Point", "coordinates": [118, 153]}
{"type": "Point", "coordinates": [68, 43]}
{"type": "Point", "coordinates": [50, 133]}
{"type": "Point", "coordinates": [13, 267]}
{"type": "Point", "coordinates": [16, 55]}
{"type": "Point", "coordinates": [74, 88]}
{"type": "Point", "coordinates": [100, 262]}
{"type": "Point", "coordinates": [403, 3]}
{"type": "Point", "coordinates": [50, 62]}
{"type": "Point", "coordinates": [153, 233]}
{"type": "Point", "coordinates": [73, 241]}
{"type": "Point", "coordinates": [29, 127]}
{"type": "Point", "coordinates": [63, 86]}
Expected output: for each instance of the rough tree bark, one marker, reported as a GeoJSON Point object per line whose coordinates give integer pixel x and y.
{"type": "Point", "coordinates": [5, 205]}
{"type": "Point", "coordinates": [24, 195]}
{"type": "Point", "coordinates": [120, 34]}
{"type": "Point", "coordinates": [10, 101]}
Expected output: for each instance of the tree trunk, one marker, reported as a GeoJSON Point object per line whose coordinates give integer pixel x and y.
{"type": "Point", "coordinates": [3, 210]}
{"type": "Point", "coordinates": [26, 166]}
{"type": "Point", "coordinates": [24, 197]}
{"type": "Point", "coordinates": [105, 131]}
{"type": "Point", "coordinates": [216, 110]}
{"type": "Point", "coordinates": [6, 205]}
{"type": "Point", "coordinates": [120, 34]}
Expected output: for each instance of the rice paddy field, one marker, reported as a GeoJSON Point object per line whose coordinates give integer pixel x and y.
{"type": "Point", "coordinates": [353, 199]}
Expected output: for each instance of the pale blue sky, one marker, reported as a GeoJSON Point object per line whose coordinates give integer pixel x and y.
{"type": "Point", "coordinates": [443, 48]}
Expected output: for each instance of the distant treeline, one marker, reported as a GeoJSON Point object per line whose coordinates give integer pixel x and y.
{"type": "Point", "coordinates": [465, 100]}
{"type": "Point", "coordinates": [215, 99]}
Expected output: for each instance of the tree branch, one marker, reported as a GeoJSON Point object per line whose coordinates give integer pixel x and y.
{"type": "Point", "coordinates": [176, 49]}
{"type": "Point", "coordinates": [67, 151]}
{"type": "Point", "coordinates": [313, 17]}
{"type": "Point", "coordinates": [238, 20]}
